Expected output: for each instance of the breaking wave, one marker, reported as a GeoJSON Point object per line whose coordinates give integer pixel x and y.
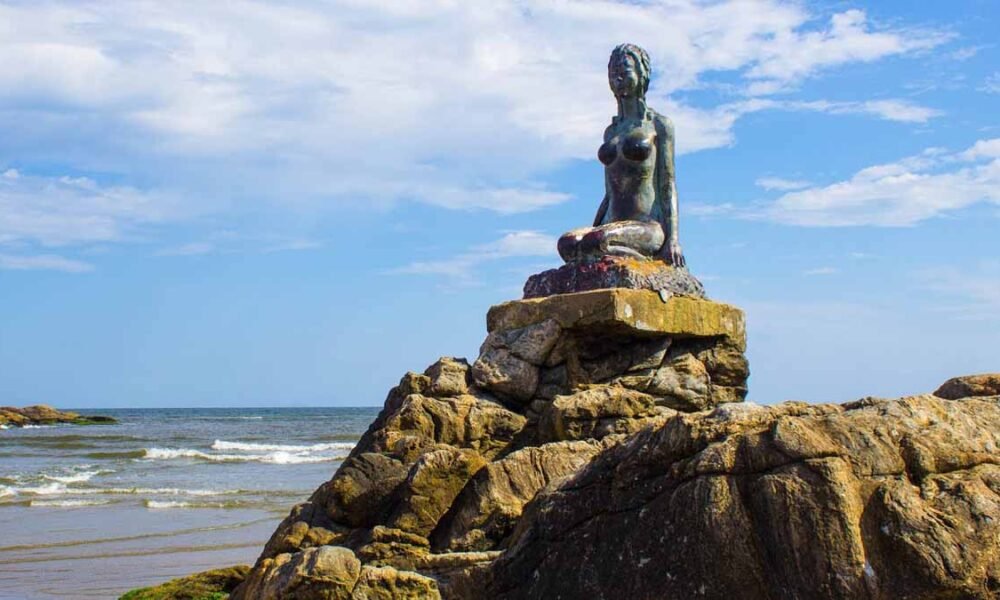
{"type": "Point", "coordinates": [67, 503]}
{"type": "Point", "coordinates": [161, 504]}
{"type": "Point", "coordinates": [250, 447]}
{"type": "Point", "coordinates": [76, 477]}
{"type": "Point", "coordinates": [278, 454]}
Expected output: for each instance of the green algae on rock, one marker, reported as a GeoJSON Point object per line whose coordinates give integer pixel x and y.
{"type": "Point", "coordinates": [207, 585]}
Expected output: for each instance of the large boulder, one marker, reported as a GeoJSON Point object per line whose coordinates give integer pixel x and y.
{"type": "Point", "coordinates": [970, 386]}
{"type": "Point", "coordinates": [431, 486]}
{"type": "Point", "coordinates": [873, 499]}
{"type": "Point", "coordinates": [595, 413]}
{"type": "Point", "coordinates": [322, 573]}
{"type": "Point", "coordinates": [491, 504]}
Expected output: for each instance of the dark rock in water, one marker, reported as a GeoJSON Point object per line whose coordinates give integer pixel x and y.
{"type": "Point", "coordinates": [46, 415]}
{"type": "Point", "coordinates": [970, 385]}
{"type": "Point", "coordinates": [614, 272]}
{"type": "Point", "coordinates": [208, 585]}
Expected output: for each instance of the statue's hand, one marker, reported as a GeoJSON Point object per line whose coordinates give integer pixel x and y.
{"type": "Point", "coordinates": [674, 255]}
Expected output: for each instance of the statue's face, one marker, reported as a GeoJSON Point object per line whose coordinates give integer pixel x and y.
{"type": "Point", "coordinates": [623, 75]}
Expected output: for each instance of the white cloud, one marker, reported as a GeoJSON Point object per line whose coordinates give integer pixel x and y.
{"type": "Point", "coordinates": [777, 183]}
{"type": "Point", "coordinates": [229, 243]}
{"type": "Point", "coordinates": [43, 262]}
{"type": "Point", "coordinates": [965, 52]}
{"type": "Point", "coordinates": [896, 194]}
{"type": "Point", "coordinates": [821, 271]}
{"type": "Point", "coordinates": [515, 244]}
{"type": "Point", "coordinates": [992, 84]}
{"type": "Point", "coordinates": [890, 109]}
{"type": "Point", "coordinates": [440, 102]}
{"type": "Point", "coordinates": [59, 211]}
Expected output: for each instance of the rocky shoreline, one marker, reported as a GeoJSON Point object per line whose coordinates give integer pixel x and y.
{"type": "Point", "coordinates": [41, 414]}
{"type": "Point", "coordinates": [599, 447]}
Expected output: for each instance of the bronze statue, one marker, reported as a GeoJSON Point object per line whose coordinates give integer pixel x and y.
{"type": "Point", "coordinates": [638, 216]}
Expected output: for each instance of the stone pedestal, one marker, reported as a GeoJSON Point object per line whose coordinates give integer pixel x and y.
{"type": "Point", "coordinates": [609, 350]}
{"type": "Point", "coordinates": [614, 272]}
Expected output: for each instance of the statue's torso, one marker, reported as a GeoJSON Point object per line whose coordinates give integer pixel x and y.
{"type": "Point", "coordinates": [629, 158]}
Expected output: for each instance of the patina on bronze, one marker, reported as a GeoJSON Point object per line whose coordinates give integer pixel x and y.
{"type": "Point", "coordinates": [638, 216]}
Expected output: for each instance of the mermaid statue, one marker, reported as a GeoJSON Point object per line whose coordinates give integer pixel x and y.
{"type": "Point", "coordinates": [633, 241]}
{"type": "Point", "coordinates": [638, 216]}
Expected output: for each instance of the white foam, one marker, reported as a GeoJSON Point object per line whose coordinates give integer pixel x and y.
{"type": "Point", "coordinates": [278, 457]}
{"type": "Point", "coordinates": [159, 504]}
{"type": "Point", "coordinates": [76, 478]}
{"type": "Point", "coordinates": [166, 504]}
{"type": "Point", "coordinates": [287, 458]}
{"type": "Point", "coordinates": [67, 503]}
{"type": "Point", "coordinates": [50, 489]}
{"type": "Point", "coordinates": [37, 426]}
{"type": "Point", "coordinates": [168, 492]}
{"type": "Point", "coordinates": [60, 489]}
{"type": "Point", "coordinates": [251, 447]}
{"type": "Point", "coordinates": [4, 426]}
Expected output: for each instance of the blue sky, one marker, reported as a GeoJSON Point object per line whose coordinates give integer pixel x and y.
{"type": "Point", "coordinates": [293, 203]}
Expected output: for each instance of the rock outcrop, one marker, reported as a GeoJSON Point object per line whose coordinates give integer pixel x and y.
{"type": "Point", "coordinates": [598, 448]}
{"type": "Point", "coordinates": [970, 385]}
{"type": "Point", "coordinates": [439, 482]}
{"type": "Point", "coordinates": [871, 499]}
{"type": "Point", "coordinates": [46, 415]}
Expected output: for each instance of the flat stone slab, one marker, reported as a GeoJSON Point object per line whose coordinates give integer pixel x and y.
{"type": "Point", "coordinates": [635, 312]}
{"type": "Point", "coordinates": [614, 272]}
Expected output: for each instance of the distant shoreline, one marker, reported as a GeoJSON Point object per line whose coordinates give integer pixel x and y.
{"type": "Point", "coordinates": [41, 414]}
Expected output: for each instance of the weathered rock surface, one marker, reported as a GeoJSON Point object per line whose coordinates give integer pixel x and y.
{"type": "Point", "coordinates": [627, 473]}
{"type": "Point", "coordinates": [41, 414]}
{"type": "Point", "coordinates": [614, 272]}
{"type": "Point", "coordinates": [626, 466]}
{"type": "Point", "coordinates": [873, 499]}
{"type": "Point", "coordinates": [490, 505]}
{"type": "Point", "coordinates": [970, 386]}
{"type": "Point", "coordinates": [437, 485]}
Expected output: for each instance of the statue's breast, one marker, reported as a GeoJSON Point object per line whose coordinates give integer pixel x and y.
{"type": "Point", "coordinates": [636, 146]}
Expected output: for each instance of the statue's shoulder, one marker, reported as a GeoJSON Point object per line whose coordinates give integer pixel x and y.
{"type": "Point", "coordinates": [609, 130]}
{"type": "Point", "coordinates": [662, 121]}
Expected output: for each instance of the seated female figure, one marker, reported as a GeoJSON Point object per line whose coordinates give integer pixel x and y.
{"type": "Point", "coordinates": [638, 217]}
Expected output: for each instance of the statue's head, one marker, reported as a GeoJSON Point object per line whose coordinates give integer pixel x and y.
{"type": "Point", "coordinates": [628, 71]}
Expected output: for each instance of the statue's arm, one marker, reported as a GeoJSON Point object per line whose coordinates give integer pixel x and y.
{"type": "Point", "coordinates": [602, 210]}
{"type": "Point", "coordinates": [667, 191]}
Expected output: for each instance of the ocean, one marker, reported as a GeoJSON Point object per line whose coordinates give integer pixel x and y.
{"type": "Point", "coordinates": [94, 511]}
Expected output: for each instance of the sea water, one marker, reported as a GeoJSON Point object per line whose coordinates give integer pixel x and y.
{"type": "Point", "coordinates": [93, 511]}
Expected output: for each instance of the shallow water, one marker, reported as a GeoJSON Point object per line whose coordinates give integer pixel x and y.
{"type": "Point", "coordinates": [91, 512]}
